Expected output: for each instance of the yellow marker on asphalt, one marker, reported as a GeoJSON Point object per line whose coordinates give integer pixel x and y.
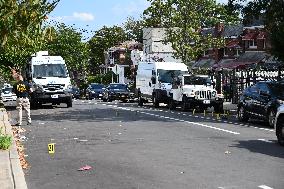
{"type": "Point", "coordinates": [51, 148]}
{"type": "Point", "coordinates": [218, 116]}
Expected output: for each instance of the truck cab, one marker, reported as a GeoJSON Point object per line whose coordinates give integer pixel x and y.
{"type": "Point", "coordinates": [154, 81]}
{"type": "Point", "coordinates": [49, 78]}
{"type": "Point", "coordinates": [192, 91]}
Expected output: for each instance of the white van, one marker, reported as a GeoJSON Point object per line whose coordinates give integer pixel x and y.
{"type": "Point", "coordinates": [154, 80]}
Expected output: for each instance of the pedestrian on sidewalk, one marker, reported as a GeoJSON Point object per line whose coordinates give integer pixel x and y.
{"type": "Point", "coordinates": [22, 90]}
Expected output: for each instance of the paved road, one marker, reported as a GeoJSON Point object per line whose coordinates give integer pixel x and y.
{"type": "Point", "coordinates": [130, 147]}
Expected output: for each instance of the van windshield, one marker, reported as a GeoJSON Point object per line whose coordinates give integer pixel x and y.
{"type": "Point", "coordinates": [166, 76]}
{"type": "Point", "coordinates": [195, 80]}
{"type": "Point", "coordinates": [49, 70]}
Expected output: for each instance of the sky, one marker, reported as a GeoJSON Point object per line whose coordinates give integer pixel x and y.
{"type": "Point", "coordinates": [91, 15]}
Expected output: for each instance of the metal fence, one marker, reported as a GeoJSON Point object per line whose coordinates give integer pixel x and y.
{"type": "Point", "coordinates": [232, 82]}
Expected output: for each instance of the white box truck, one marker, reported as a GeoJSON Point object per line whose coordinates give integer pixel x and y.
{"type": "Point", "coordinates": [154, 81]}
{"type": "Point", "coordinates": [50, 79]}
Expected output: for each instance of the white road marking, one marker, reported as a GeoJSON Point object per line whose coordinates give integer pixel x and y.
{"type": "Point", "coordinates": [208, 118]}
{"type": "Point", "coordinates": [264, 187]}
{"type": "Point", "coordinates": [264, 140]}
{"type": "Point", "coordinates": [211, 127]}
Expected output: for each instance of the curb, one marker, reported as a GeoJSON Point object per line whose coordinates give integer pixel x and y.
{"type": "Point", "coordinates": [14, 171]}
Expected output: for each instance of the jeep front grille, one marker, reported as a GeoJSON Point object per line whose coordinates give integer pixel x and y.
{"type": "Point", "coordinates": [205, 94]}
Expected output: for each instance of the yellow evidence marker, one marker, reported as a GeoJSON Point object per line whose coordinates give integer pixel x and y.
{"type": "Point", "coordinates": [51, 148]}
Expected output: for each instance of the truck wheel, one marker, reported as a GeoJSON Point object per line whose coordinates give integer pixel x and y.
{"type": "Point", "coordinates": [184, 105]}
{"type": "Point", "coordinates": [172, 104]}
{"type": "Point", "coordinates": [218, 108]}
{"type": "Point", "coordinates": [155, 101]}
{"type": "Point", "coordinates": [140, 101]}
{"type": "Point", "coordinates": [69, 103]}
{"type": "Point", "coordinates": [280, 131]}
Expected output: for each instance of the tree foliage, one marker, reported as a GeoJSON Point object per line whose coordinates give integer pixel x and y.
{"type": "Point", "coordinates": [21, 33]}
{"type": "Point", "coordinates": [104, 39]}
{"type": "Point", "coordinates": [65, 41]}
{"type": "Point", "coordinates": [275, 25]}
{"type": "Point", "coordinates": [133, 29]}
{"type": "Point", "coordinates": [184, 21]}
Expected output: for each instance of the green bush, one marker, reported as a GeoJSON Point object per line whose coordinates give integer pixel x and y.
{"type": "Point", "coordinates": [5, 141]}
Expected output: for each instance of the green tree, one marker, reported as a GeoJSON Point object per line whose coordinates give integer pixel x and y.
{"type": "Point", "coordinates": [103, 39]}
{"type": "Point", "coordinates": [21, 33]}
{"type": "Point", "coordinates": [185, 20]}
{"type": "Point", "coordinates": [275, 25]}
{"type": "Point", "coordinates": [65, 41]}
{"type": "Point", "coordinates": [133, 29]}
{"type": "Point", "coordinates": [254, 10]}
{"type": "Point", "coordinates": [234, 7]}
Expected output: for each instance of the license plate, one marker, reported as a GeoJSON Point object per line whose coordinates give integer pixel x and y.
{"type": "Point", "coordinates": [54, 96]}
{"type": "Point", "coordinates": [122, 96]}
{"type": "Point", "coordinates": [100, 95]}
{"type": "Point", "coordinates": [206, 101]}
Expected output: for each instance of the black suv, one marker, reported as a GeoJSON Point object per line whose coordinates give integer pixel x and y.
{"type": "Point", "coordinates": [117, 91]}
{"type": "Point", "coordinates": [261, 101]}
{"type": "Point", "coordinates": [95, 90]}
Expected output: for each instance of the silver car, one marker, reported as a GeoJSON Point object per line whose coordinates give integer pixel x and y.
{"type": "Point", "coordinates": [279, 125]}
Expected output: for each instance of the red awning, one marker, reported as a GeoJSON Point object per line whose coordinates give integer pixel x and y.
{"type": "Point", "coordinates": [232, 44]}
{"type": "Point", "coordinates": [250, 36]}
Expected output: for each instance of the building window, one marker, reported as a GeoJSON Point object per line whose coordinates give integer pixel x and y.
{"type": "Point", "coordinates": [226, 52]}
{"type": "Point", "coordinates": [252, 44]}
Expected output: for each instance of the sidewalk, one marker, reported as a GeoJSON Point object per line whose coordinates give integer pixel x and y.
{"type": "Point", "coordinates": [11, 172]}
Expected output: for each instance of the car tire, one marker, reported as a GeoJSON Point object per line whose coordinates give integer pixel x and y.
{"type": "Point", "coordinates": [218, 108]}
{"type": "Point", "coordinates": [69, 103]}
{"type": "Point", "coordinates": [242, 114]}
{"type": "Point", "coordinates": [172, 105]}
{"type": "Point", "coordinates": [155, 101]}
{"type": "Point", "coordinates": [271, 118]}
{"type": "Point", "coordinates": [280, 131]}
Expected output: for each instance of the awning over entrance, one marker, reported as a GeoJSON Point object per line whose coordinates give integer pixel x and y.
{"type": "Point", "coordinates": [250, 36]}
{"type": "Point", "coordinates": [233, 44]}
{"type": "Point", "coordinates": [203, 63]}
{"type": "Point", "coordinates": [247, 58]}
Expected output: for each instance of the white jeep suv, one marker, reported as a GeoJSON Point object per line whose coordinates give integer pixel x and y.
{"type": "Point", "coordinates": [279, 125]}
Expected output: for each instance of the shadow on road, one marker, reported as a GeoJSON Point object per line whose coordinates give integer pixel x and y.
{"type": "Point", "coordinates": [262, 147]}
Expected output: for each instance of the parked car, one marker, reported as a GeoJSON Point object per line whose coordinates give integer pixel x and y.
{"type": "Point", "coordinates": [279, 125]}
{"type": "Point", "coordinates": [261, 101]}
{"type": "Point", "coordinates": [7, 94]}
{"type": "Point", "coordinates": [75, 91]}
{"type": "Point", "coordinates": [117, 91]}
{"type": "Point", "coordinates": [95, 90]}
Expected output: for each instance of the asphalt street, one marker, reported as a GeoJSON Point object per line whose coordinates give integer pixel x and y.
{"type": "Point", "coordinates": [131, 147]}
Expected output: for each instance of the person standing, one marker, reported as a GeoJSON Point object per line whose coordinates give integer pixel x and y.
{"type": "Point", "coordinates": [22, 90]}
